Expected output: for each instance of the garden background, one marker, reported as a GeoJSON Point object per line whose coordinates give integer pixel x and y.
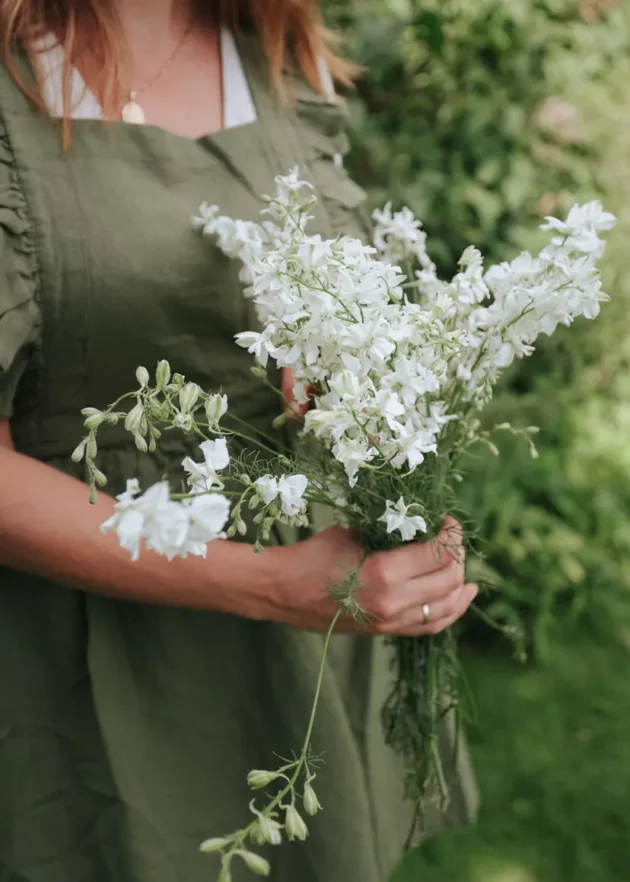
{"type": "Point", "coordinates": [484, 116]}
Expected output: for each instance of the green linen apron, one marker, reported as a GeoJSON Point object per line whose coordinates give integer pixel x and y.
{"type": "Point", "coordinates": [127, 730]}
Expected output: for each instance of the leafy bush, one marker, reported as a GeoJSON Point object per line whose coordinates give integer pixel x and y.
{"type": "Point", "coordinates": [483, 117]}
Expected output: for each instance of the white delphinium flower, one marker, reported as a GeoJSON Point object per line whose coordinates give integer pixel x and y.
{"type": "Point", "coordinates": [397, 517]}
{"type": "Point", "coordinates": [399, 236]}
{"type": "Point", "coordinates": [258, 343]}
{"type": "Point", "coordinates": [468, 287]}
{"type": "Point", "coordinates": [288, 491]}
{"type": "Point", "coordinates": [203, 476]}
{"type": "Point", "coordinates": [291, 490]}
{"type": "Point", "coordinates": [293, 197]}
{"type": "Point", "coordinates": [207, 517]}
{"type": "Point", "coordinates": [267, 488]}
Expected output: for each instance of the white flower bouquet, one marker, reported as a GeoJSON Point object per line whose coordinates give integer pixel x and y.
{"type": "Point", "coordinates": [396, 367]}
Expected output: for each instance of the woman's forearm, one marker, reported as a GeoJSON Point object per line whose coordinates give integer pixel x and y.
{"type": "Point", "coordinates": [48, 528]}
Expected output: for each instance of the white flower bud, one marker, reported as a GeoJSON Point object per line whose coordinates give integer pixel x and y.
{"type": "Point", "coordinates": [294, 824]}
{"type": "Point", "coordinates": [188, 396]}
{"type": "Point", "coordinates": [92, 495]}
{"type": "Point", "coordinates": [90, 447]}
{"type": "Point", "coordinates": [279, 421]}
{"type": "Point", "coordinates": [99, 478]}
{"type": "Point", "coordinates": [142, 376]}
{"type": "Point", "coordinates": [216, 406]}
{"type": "Point", "coordinates": [259, 778]}
{"type": "Point", "coordinates": [241, 527]}
{"type": "Point", "coordinates": [162, 374]}
{"type": "Point", "coordinates": [90, 411]}
{"type": "Point", "coordinates": [78, 452]}
{"type": "Point", "coordinates": [141, 444]}
{"type": "Point", "coordinates": [94, 420]}
{"type": "Point", "coordinates": [212, 846]}
{"type": "Point", "coordinates": [311, 802]}
{"type": "Point", "coordinates": [134, 418]}
{"type": "Point", "coordinates": [255, 863]}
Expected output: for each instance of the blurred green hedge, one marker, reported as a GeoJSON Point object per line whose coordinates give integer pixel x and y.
{"type": "Point", "coordinates": [484, 117]}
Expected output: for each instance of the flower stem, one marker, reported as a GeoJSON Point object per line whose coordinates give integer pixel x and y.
{"type": "Point", "coordinates": [320, 678]}
{"type": "Point", "coordinates": [238, 839]}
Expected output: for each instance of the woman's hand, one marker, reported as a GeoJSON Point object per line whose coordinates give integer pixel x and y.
{"type": "Point", "coordinates": [412, 590]}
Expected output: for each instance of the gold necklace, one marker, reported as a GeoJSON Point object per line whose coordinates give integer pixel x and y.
{"type": "Point", "coordinates": [132, 111]}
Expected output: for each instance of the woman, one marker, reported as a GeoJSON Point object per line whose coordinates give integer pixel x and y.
{"type": "Point", "coordinates": [136, 696]}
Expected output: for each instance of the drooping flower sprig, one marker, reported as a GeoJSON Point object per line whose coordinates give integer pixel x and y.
{"type": "Point", "coordinates": [178, 523]}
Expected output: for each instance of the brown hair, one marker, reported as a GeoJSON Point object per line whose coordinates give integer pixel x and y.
{"type": "Point", "coordinates": [287, 28]}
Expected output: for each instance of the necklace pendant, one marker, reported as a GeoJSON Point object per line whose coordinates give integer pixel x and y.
{"type": "Point", "coordinates": [132, 112]}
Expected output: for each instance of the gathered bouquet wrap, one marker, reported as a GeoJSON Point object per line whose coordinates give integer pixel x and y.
{"type": "Point", "coordinates": [397, 366]}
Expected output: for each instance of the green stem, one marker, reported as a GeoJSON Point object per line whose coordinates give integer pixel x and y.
{"type": "Point", "coordinates": [258, 431]}
{"type": "Point", "coordinates": [320, 678]}
{"type": "Point", "coordinates": [251, 440]}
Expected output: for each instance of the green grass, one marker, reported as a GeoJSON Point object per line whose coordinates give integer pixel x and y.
{"type": "Point", "coordinates": [552, 753]}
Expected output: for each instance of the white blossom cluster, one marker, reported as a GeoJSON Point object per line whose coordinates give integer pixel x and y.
{"type": "Point", "coordinates": [387, 369]}
{"type": "Point", "coordinates": [168, 527]}
{"type": "Point", "coordinates": [179, 524]}
{"type": "Point", "coordinates": [338, 317]}
{"type": "Point", "coordinates": [247, 240]}
{"type": "Point", "coordinates": [504, 309]}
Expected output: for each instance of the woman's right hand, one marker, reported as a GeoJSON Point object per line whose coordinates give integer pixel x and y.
{"type": "Point", "coordinates": [395, 587]}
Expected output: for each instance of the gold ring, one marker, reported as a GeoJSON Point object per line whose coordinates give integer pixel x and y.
{"type": "Point", "coordinates": [426, 613]}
